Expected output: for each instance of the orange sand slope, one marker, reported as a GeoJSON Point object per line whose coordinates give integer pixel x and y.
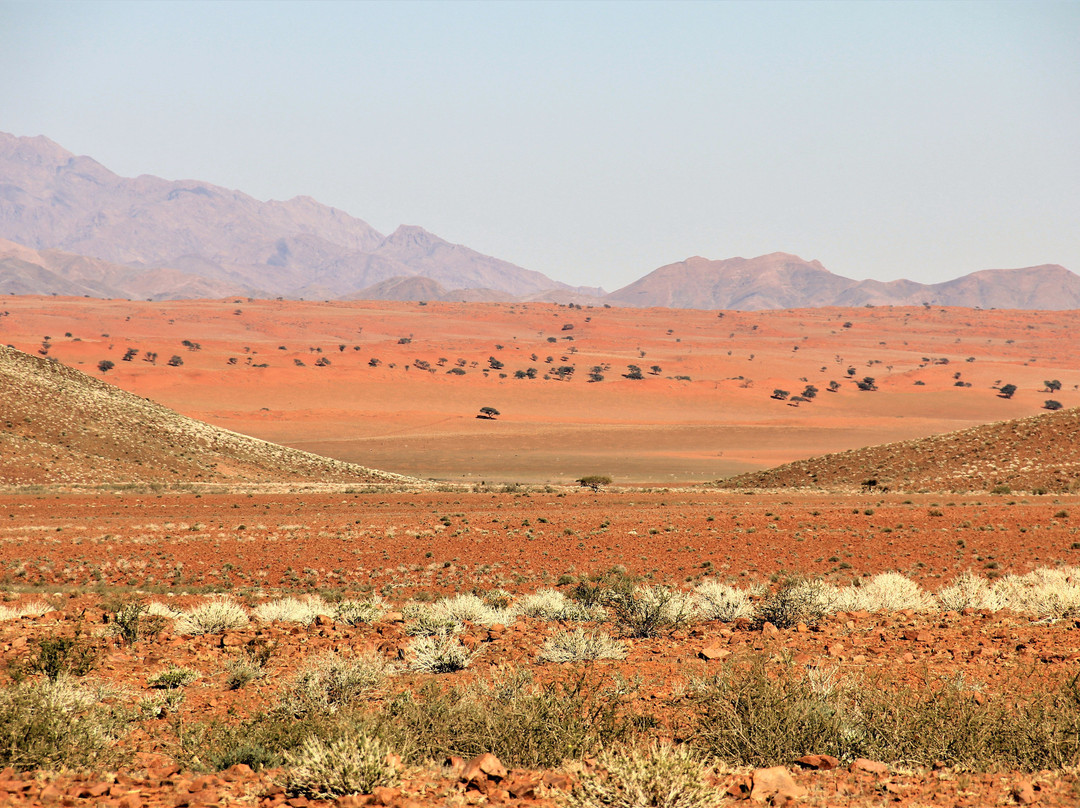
{"type": "Point", "coordinates": [398, 386]}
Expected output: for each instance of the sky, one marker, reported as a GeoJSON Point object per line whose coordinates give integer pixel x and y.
{"type": "Point", "coordinates": [593, 141]}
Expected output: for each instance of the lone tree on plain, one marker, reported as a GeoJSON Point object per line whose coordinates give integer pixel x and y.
{"type": "Point", "coordinates": [1051, 404]}
{"type": "Point", "coordinates": [779, 394]}
{"type": "Point", "coordinates": [594, 481]}
{"type": "Point", "coordinates": [1052, 386]}
{"type": "Point", "coordinates": [105, 365]}
{"type": "Point", "coordinates": [1007, 391]}
{"type": "Point", "coordinates": [489, 413]}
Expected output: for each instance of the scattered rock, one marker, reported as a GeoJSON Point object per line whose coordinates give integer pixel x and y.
{"type": "Point", "coordinates": [819, 762]}
{"type": "Point", "coordinates": [872, 766]}
{"type": "Point", "coordinates": [773, 783]}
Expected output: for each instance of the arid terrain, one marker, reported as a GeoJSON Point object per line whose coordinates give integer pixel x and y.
{"type": "Point", "coordinates": [192, 617]}
{"type": "Point", "coordinates": [398, 386]}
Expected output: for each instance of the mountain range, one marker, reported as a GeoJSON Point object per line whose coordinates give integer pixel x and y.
{"type": "Point", "coordinates": [70, 226]}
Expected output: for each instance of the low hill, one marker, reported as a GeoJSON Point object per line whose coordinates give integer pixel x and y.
{"type": "Point", "coordinates": [60, 426]}
{"type": "Point", "coordinates": [783, 281]}
{"type": "Point", "coordinates": [1028, 454]}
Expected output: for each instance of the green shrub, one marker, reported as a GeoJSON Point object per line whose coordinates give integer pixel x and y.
{"type": "Point", "coordinates": [172, 678]}
{"type": "Point", "coordinates": [59, 656]}
{"type": "Point", "coordinates": [133, 621]}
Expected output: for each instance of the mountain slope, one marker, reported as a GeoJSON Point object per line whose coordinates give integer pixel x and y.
{"type": "Point", "coordinates": [61, 426]}
{"type": "Point", "coordinates": [1040, 452]}
{"type": "Point", "coordinates": [52, 199]}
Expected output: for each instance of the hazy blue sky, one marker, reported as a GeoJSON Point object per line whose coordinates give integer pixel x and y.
{"type": "Point", "coordinates": [594, 141]}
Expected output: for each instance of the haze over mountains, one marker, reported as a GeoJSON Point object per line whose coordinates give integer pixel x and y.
{"type": "Point", "coordinates": [76, 228]}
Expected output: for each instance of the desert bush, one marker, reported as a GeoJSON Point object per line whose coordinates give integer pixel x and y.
{"type": "Point", "coordinates": [57, 724]}
{"type": "Point", "coordinates": [968, 591]}
{"type": "Point", "coordinates": [797, 602]}
{"type": "Point", "coordinates": [292, 610]}
{"type": "Point", "coordinates": [217, 615]}
{"type": "Point", "coordinates": [330, 682]}
{"type": "Point", "coordinates": [352, 763]}
{"type": "Point", "coordinates": [439, 653]}
{"type": "Point", "coordinates": [662, 775]}
{"type": "Point", "coordinates": [524, 723]}
{"type": "Point", "coordinates": [356, 612]}
{"type": "Point", "coordinates": [577, 646]}
{"type": "Point", "coordinates": [423, 620]}
{"type": "Point", "coordinates": [34, 608]}
{"type": "Point", "coordinates": [57, 657]}
{"type": "Point", "coordinates": [717, 601]}
{"type": "Point", "coordinates": [242, 672]}
{"type": "Point", "coordinates": [648, 611]}
{"type": "Point", "coordinates": [172, 678]}
{"type": "Point", "coordinates": [551, 604]}
{"type": "Point", "coordinates": [133, 621]}
{"type": "Point", "coordinates": [1052, 594]}
{"type": "Point", "coordinates": [886, 592]}
{"type": "Point", "coordinates": [749, 715]}
{"type": "Point", "coordinates": [469, 608]}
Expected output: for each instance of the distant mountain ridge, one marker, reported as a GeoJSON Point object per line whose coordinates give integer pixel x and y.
{"type": "Point", "coordinates": [76, 228]}
{"type": "Point", "coordinates": [51, 199]}
{"type": "Point", "coordinates": [783, 281]}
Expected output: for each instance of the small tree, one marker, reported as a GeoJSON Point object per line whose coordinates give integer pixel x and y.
{"type": "Point", "coordinates": [489, 413]}
{"type": "Point", "coordinates": [1050, 404]}
{"type": "Point", "coordinates": [633, 372]}
{"type": "Point", "coordinates": [809, 392]}
{"type": "Point", "coordinates": [494, 363]}
{"type": "Point", "coordinates": [834, 386]}
{"type": "Point", "coordinates": [175, 361]}
{"type": "Point", "coordinates": [780, 395]}
{"type": "Point", "coordinates": [1007, 391]}
{"type": "Point", "coordinates": [596, 374]}
{"type": "Point", "coordinates": [105, 365]}
{"type": "Point", "coordinates": [655, 370]}
{"type": "Point", "coordinates": [1052, 386]}
{"type": "Point", "coordinates": [594, 481]}
{"type": "Point", "coordinates": [867, 383]}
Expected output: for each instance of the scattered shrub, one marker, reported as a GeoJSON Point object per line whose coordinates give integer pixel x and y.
{"type": "Point", "coordinates": [717, 601]}
{"type": "Point", "coordinates": [439, 653]}
{"type": "Point", "coordinates": [172, 678]}
{"type": "Point", "coordinates": [662, 775]}
{"type": "Point", "coordinates": [350, 764]}
{"type": "Point", "coordinates": [577, 646]}
{"type": "Point", "coordinates": [217, 615]}
{"type": "Point", "coordinates": [330, 682]}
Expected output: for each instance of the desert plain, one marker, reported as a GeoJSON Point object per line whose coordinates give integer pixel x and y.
{"type": "Point", "coordinates": [749, 625]}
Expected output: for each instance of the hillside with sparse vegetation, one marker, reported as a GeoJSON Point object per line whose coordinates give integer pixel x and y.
{"type": "Point", "coordinates": [60, 426]}
{"type": "Point", "coordinates": [1037, 454]}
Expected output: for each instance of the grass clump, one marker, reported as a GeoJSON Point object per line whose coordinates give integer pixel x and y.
{"type": "Point", "coordinates": [577, 646]}
{"type": "Point", "coordinates": [217, 615]}
{"type": "Point", "coordinates": [717, 601]}
{"type": "Point", "coordinates": [34, 608]}
{"type": "Point", "coordinates": [357, 612]}
{"type": "Point", "coordinates": [352, 763]}
{"type": "Point", "coordinates": [292, 610]}
{"type": "Point", "coordinates": [796, 602]}
{"type": "Point", "coordinates": [662, 775]}
{"type": "Point", "coordinates": [172, 678]}
{"type": "Point", "coordinates": [439, 653]}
